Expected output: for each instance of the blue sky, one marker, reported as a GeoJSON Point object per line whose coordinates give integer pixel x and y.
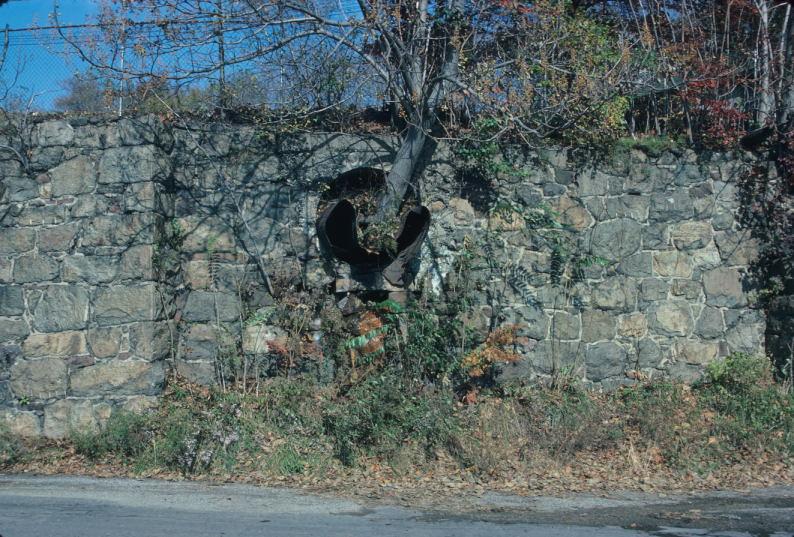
{"type": "Point", "coordinates": [44, 66]}
{"type": "Point", "coordinates": [23, 13]}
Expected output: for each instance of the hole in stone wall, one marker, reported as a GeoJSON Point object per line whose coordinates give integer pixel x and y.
{"type": "Point", "coordinates": [343, 218]}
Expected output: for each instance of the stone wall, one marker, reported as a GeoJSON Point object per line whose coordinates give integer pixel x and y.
{"type": "Point", "coordinates": [84, 316]}
{"type": "Point", "coordinates": [131, 247]}
{"type": "Point", "coordinates": [780, 333]}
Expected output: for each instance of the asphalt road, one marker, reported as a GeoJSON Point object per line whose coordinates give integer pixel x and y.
{"type": "Point", "coordinates": [87, 507]}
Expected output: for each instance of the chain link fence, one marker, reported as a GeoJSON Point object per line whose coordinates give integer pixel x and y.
{"type": "Point", "coordinates": [91, 68]}
{"type": "Point", "coordinates": [38, 70]}
{"type": "Point", "coordinates": [42, 71]}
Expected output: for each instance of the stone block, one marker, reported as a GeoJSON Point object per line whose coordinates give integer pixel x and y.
{"type": "Point", "coordinates": [597, 325]}
{"type": "Point", "coordinates": [20, 189]}
{"type": "Point", "coordinates": [565, 325]}
{"type": "Point", "coordinates": [672, 264]}
{"type": "Point", "coordinates": [61, 344]}
{"type": "Point", "coordinates": [120, 230]}
{"type": "Point", "coordinates": [151, 341]}
{"type": "Point", "coordinates": [572, 213]}
{"type": "Point", "coordinates": [11, 329]}
{"type": "Point", "coordinates": [639, 264]}
{"type": "Point", "coordinates": [210, 306]}
{"type": "Point", "coordinates": [656, 237]}
{"type": "Point", "coordinates": [649, 354]}
{"type": "Point", "coordinates": [616, 239]}
{"type": "Point", "coordinates": [45, 158]}
{"type": "Point", "coordinates": [20, 423]}
{"type": "Point", "coordinates": [199, 343]}
{"type": "Point", "coordinates": [58, 238]}
{"type": "Point", "coordinates": [593, 183]}
{"type": "Point", "coordinates": [127, 304]}
{"type": "Point", "coordinates": [58, 308]}
{"type": "Point", "coordinates": [737, 247]}
{"type": "Point", "coordinates": [88, 205]}
{"type": "Point", "coordinates": [73, 177]}
{"type": "Point", "coordinates": [6, 270]}
{"type": "Point", "coordinates": [39, 379]}
{"type": "Point", "coordinates": [133, 165]}
{"type": "Point", "coordinates": [632, 206]}
{"type": "Point", "coordinates": [530, 320]}
{"type": "Point", "coordinates": [684, 372]}
{"type": "Point", "coordinates": [723, 287]}
{"type": "Point", "coordinates": [616, 293]}
{"type": "Point", "coordinates": [653, 289]}
{"type": "Point", "coordinates": [202, 235]}
{"type": "Point", "coordinates": [147, 129]}
{"type": "Point", "coordinates": [35, 268]}
{"type": "Point", "coordinates": [689, 289]}
{"type": "Point", "coordinates": [671, 206]}
{"type": "Point", "coordinates": [689, 174]}
{"type": "Point", "coordinates": [89, 269]}
{"type": "Point", "coordinates": [671, 318]}
{"type": "Point", "coordinates": [597, 208]}
{"type": "Point", "coordinates": [68, 416]}
{"type": "Point", "coordinates": [706, 258]}
{"type": "Point", "coordinates": [104, 342]}
{"type": "Point", "coordinates": [710, 323]}
{"type": "Point", "coordinates": [696, 352]}
{"type": "Point", "coordinates": [89, 136]}
{"type": "Point", "coordinates": [9, 354]}
{"type": "Point", "coordinates": [722, 219]}
{"type": "Point", "coordinates": [118, 378]}
{"type": "Point", "coordinates": [137, 263]}
{"type": "Point", "coordinates": [747, 334]}
{"type": "Point", "coordinates": [691, 235]}
{"type": "Point", "coordinates": [198, 372]}
{"type": "Point", "coordinates": [546, 358]}
{"type": "Point", "coordinates": [53, 133]}
{"type": "Point", "coordinates": [634, 325]}
{"type": "Point", "coordinates": [605, 360]}
{"type": "Point", "coordinates": [12, 300]}
{"type": "Point", "coordinates": [43, 215]}
{"type": "Point", "coordinates": [17, 240]}
{"type": "Point", "coordinates": [142, 197]}
{"type": "Point", "coordinates": [197, 274]}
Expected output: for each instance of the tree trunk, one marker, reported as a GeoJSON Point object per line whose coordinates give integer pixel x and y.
{"type": "Point", "coordinates": [399, 178]}
{"type": "Point", "coordinates": [787, 69]}
{"type": "Point", "coordinates": [766, 101]}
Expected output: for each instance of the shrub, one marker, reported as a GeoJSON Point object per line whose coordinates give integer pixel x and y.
{"type": "Point", "coordinates": [739, 373]}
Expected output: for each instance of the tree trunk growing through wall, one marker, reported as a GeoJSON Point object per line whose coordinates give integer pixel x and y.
{"type": "Point", "coordinates": [787, 80]}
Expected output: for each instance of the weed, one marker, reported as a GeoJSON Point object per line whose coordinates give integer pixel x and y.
{"type": "Point", "coordinates": [10, 446]}
{"type": "Point", "coordinates": [752, 412]}
{"type": "Point", "coordinates": [739, 373]}
{"type": "Point", "coordinates": [653, 145]}
{"type": "Point", "coordinates": [286, 460]}
{"type": "Point", "coordinates": [125, 434]}
{"type": "Point", "coordinates": [379, 414]}
{"type": "Point", "coordinates": [660, 413]}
